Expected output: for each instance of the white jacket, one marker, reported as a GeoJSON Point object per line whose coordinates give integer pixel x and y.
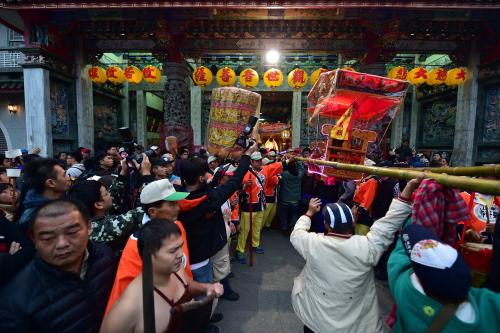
{"type": "Point", "coordinates": [335, 292]}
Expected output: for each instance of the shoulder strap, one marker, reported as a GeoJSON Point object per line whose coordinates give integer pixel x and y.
{"type": "Point", "coordinates": [257, 176]}
{"type": "Point", "coordinates": [182, 282]}
{"type": "Point", "coordinates": [162, 295]}
{"type": "Point", "coordinates": [444, 316]}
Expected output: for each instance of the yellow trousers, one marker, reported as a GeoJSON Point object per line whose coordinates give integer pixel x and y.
{"type": "Point", "coordinates": [269, 214]}
{"type": "Point", "coordinates": [245, 229]}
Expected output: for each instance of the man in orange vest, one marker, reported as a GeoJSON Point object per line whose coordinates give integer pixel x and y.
{"type": "Point", "coordinates": [254, 203]}
{"type": "Point", "coordinates": [271, 189]}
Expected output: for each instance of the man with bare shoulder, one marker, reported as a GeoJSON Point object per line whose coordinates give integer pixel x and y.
{"type": "Point", "coordinates": [171, 285]}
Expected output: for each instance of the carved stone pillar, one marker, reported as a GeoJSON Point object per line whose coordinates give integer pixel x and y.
{"type": "Point", "coordinates": [465, 122]}
{"type": "Point", "coordinates": [177, 101]}
{"type": "Point", "coordinates": [37, 102]}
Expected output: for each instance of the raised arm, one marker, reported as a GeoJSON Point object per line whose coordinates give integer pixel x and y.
{"type": "Point", "coordinates": [224, 192]}
{"type": "Point", "coordinates": [301, 238]}
{"type": "Point", "coordinates": [382, 231]}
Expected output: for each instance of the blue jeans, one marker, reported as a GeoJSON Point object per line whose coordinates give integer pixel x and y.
{"type": "Point", "coordinates": [203, 274]}
{"type": "Point", "coordinates": [289, 213]}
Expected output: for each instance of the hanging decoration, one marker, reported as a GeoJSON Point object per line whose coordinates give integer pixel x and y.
{"type": "Point", "coordinates": [133, 74]}
{"type": "Point", "coordinates": [97, 74]}
{"type": "Point", "coordinates": [115, 74]}
{"type": "Point", "coordinates": [315, 75]}
{"type": "Point", "coordinates": [398, 72]}
{"type": "Point", "coordinates": [436, 76]}
{"type": "Point", "coordinates": [456, 76]}
{"type": "Point", "coordinates": [417, 76]}
{"type": "Point", "coordinates": [151, 74]}
{"type": "Point", "coordinates": [202, 76]}
{"type": "Point", "coordinates": [249, 78]}
{"type": "Point", "coordinates": [225, 77]}
{"type": "Point", "coordinates": [273, 78]}
{"type": "Point", "coordinates": [297, 78]}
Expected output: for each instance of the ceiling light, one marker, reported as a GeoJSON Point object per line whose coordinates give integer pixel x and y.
{"type": "Point", "coordinates": [272, 56]}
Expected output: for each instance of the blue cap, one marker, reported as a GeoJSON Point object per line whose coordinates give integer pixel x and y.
{"type": "Point", "coordinates": [24, 150]}
{"type": "Point", "coordinates": [438, 266]}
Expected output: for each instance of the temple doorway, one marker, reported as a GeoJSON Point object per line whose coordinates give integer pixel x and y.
{"type": "Point", "coordinates": [275, 120]}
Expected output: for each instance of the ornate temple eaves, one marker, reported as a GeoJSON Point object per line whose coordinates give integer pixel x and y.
{"type": "Point", "coordinates": [314, 4]}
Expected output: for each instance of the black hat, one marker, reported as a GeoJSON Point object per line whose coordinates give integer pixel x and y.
{"type": "Point", "coordinates": [438, 266]}
{"type": "Point", "coordinates": [338, 216]}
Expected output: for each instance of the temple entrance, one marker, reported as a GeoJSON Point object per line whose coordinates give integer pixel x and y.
{"type": "Point", "coordinates": [275, 120]}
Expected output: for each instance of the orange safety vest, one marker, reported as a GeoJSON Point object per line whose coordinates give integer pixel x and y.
{"type": "Point", "coordinates": [235, 212]}
{"type": "Point", "coordinates": [365, 193]}
{"type": "Point", "coordinates": [254, 191]}
{"type": "Point", "coordinates": [271, 172]}
{"type": "Point", "coordinates": [130, 267]}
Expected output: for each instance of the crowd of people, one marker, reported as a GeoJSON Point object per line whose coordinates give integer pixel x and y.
{"type": "Point", "coordinates": [82, 234]}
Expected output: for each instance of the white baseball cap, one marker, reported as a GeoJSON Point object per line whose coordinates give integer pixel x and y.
{"type": "Point", "coordinates": [212, 159]}
{"type": "Point", "coordinates": [154, 147]}
{"type": "Point", "coordinates": [161, 190]}
{"type": "Point", "coordinates": [256, 156]}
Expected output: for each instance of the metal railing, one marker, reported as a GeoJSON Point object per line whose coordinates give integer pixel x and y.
{"type": "Point", "coordinates": [10, 59]}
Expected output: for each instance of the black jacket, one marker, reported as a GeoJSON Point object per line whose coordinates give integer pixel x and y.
{"type": "Point", "coordinates": [10, 264]}
{"type": "Point", "coordinates": [44, 299]}
{"type": "Point", "coordinates": [201, 215]}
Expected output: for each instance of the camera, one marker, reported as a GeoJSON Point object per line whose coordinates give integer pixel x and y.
{"type": "Point", "coordinates": [247, 130]}
{"type": "Point", "coordinates": [129, 144]}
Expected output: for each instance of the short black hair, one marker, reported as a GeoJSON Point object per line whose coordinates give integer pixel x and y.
{"type": "Point", "coordinates": [62, 152]}
{"type": "Point", "coordinates": [4, 186]}
{"type": "Point", "coordinates": [88, 192]}
{"type": "Point", "coordinates": [38, 171]}
{"type": "Point", "coordinates": [59, 207]}
{"type": "Point", "coordinates": [306, 149]}
{"type": "Point", "coordinates": [2, 170]}
{"type": "Point", "coordinates": [152, 234]}
{"type": "Point", "coordinates": [99, 157]}
{"type": "Point", "coordinates": [194, 168]}
{"type": "Point", "coordinates": [77, 155]}
{"type": "Point", "coordinates": [156, 204]}
{"type": "Point", "coordinates": [159, 162]}
{"type": "Point", "coordinates": [30, 158]}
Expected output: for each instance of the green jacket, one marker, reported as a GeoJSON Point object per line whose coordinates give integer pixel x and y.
{"type": "Point", "coordinates": [291, 185]}
{"type": "Point", "coordinates": [115, 229]}
{"type": "Point", "coordinates": [416, 311]}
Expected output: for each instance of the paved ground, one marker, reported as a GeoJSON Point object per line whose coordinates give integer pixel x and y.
{"type": "Point", "coordinates": [265, 291]}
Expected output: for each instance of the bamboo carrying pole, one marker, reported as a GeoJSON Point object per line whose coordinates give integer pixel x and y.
{"type": "Point", "coordinates": [488, 170]}
{"type": "Point", "coordinates": [484, 186]}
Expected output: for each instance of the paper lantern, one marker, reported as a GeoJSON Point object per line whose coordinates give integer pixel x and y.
{"type": "Point", "coordinates": [151, 74]}
{"type": "Point", "coordinates": [436, 76]}
{"type": "Point", "coordinates": [97, 74]}
{"type": "Point", "coordinates": [315, 75]}
{"type": "Point", "coordinates": [456, 76]}
{"type": "Point", "coordinates": [225, 77]}
{"type": "Point", "coordinates": [273, 78]}
{"type": "Point", "coordinates": [398, 72]}
{"type": "Point", "coordinates": [417, 76]}
{"type": "Point", "coordinates": [133, 74]}
{"type": "Point", "coordinates": [202, 76]}
{"type": "Point", "coordinates": [115, 74]}
{"type": "Point", "coordinates": [249, 78]}
{"type": "Point", "coordinates": [297, 78]}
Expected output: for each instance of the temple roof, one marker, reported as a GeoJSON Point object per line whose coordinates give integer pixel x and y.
{"type": "Point", "coordinates": [312, 4]}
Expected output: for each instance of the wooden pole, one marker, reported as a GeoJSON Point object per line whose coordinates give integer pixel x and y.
{"type": "Point", "coordinates": [484, 186]}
